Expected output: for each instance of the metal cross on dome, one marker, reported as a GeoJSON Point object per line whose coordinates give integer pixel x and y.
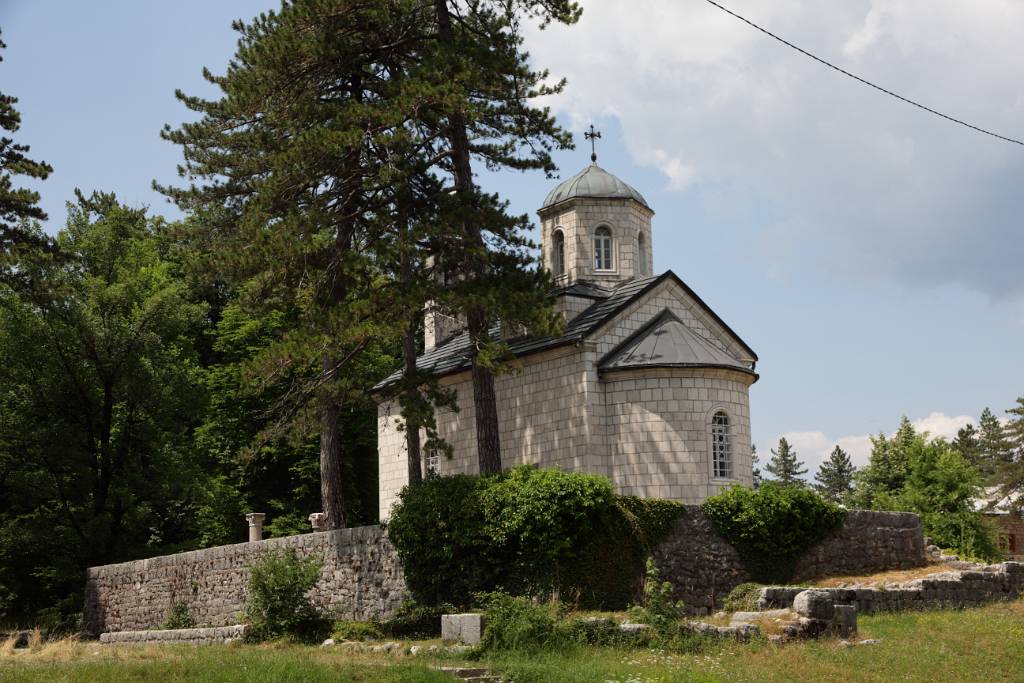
{"type": "Point", "coordinates": [592, 135]}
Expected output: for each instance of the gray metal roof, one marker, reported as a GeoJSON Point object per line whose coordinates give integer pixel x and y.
{"type": "Point", "coordinates": [454, 355]}
{"type": "Point", "coordinates": [666, 342]}
{"type": "Point", "coordinates": [592, 181]}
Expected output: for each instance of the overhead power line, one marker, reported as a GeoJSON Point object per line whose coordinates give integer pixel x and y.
{"type": "Point", "coordinates": [862, 80]}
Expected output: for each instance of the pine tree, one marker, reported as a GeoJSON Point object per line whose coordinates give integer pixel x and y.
{"type": "Point", "coordinates": [784, 467]}
{"type": "Point", "coordinates": [994, 447]}
{"type": "Point", "coordinates": [967, 444]}
{"type": "Point", "coordinates": [286, 191]}
{"type": "Point", "coordinates": [755, 470]}
{"type": "Point", "coordinates": [18, 206]}
{"type": "Point", "coordinates": [835, 476]}
{"type": "Point", "coordinates": [1009, 476]}
{"type": "Point", "coordinates": [490, 117]}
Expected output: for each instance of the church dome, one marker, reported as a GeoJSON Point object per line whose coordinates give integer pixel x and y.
{"type": "Point", "coordinates": [592, 182]}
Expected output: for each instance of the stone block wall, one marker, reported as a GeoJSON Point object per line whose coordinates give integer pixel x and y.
{"type": "Point", "coordinates": [361, 579]}
{"type": "Point", "coordinates": [703, 567]}
{"type": "Point", "coordinates": [985, 584]}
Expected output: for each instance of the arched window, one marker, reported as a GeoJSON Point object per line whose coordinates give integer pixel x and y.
{"type": "Point", "coordinates": [721, 446]}
{"type": "Point", "coordinates": [603, 251]}
{"type": "Point", "coordinates": [641, 256]}
{"type": "Point", "coordinates": [558, 254]}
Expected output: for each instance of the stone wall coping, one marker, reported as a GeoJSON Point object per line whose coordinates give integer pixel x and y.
{"type": "Point", "coordinates": [336, 539]}
{"type": "Point", "coordinates": [176, 635]}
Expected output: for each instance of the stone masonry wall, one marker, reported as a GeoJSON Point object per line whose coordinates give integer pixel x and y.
{"type": "Point", "coordinates": [361, 579]}
{"type": "Point", "coordinates": [703, 567]}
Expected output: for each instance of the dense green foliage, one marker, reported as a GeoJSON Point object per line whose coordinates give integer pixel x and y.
{"type": "Point", "coordinates": [743, 598]}
{"type": "Point", "coordinates": [657, 608]}
{"type": "Point", "coordinates": [771, 527]}
{"type": "Point", "coordinates": [929, 477]}
{"type": "Point", "coordinates": [528, 531]}
{"type": "Point", "coordinates": [277, 605]}
{"type": "Point", "coordinates": [180, 617]}
{"type": "Point", "coordinates": [99, 388]}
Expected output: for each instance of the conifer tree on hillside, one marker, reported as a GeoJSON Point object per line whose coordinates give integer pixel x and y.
{"type": "Point", "coordinates": [994, 448]}
{"type": "Point", "coordinates": [18, 206]}
{"type": "Point", "coordinates": [835, 476]}
{"type": "Point", "coordinates": [784, 467]}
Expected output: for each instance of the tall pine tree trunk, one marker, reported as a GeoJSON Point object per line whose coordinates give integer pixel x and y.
{"type": "Point", "coordinates": [412, 427]}
{"type": "Point", "coordinates": [485, 405]}
{"type": "Point", "coordinates": [332, 493]}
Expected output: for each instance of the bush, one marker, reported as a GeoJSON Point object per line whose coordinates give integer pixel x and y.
{"type": "Point", "coordinates": [771, 527]}
{"type": "Point", "coordinates": [414, 620]}
{"type": "Point", "coordinates": [356, 630]}
{"type": "Point", "coordinates": [743, 598]}
{"type": "Point", "coordinates": [277, 605]}
{"type": "Point", "coordinates": [180, 617]}
{"type": "Point", "coordinates": [658, 609]}
{"type": "Point", "coordinates": [516, 623]}
{"type": "Point", "coordinates": [526, 531]}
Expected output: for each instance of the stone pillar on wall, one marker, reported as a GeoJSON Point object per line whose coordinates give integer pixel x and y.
{"type": "Point", "coordinates": [255, 520]}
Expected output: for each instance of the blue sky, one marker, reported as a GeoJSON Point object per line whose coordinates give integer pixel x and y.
{"type": "Point", "coordinates": [870, 253]}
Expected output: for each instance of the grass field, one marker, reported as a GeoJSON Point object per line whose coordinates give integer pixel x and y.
{"type": "Point", "coordinates": [985, 644]}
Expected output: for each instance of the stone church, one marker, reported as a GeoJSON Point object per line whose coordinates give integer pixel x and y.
{"type": "Point", "coordinates": [646, 386]}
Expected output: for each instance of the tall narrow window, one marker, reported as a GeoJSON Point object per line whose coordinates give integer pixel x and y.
{"type": "Point", "coordinates": [558, 254]}
{"type": "Point", "coordinates": [603, 249]}
{"type": "Point", "coordinates": [721, 446]}
{"type": "Point", "coordinates": [641, 256]}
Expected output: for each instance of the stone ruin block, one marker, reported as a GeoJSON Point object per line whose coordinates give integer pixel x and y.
{"type": "Point", "coordinates": [463, 628]}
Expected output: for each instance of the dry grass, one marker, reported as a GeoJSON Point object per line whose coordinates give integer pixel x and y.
{"type": "Point", "coordinates": [895, 576]}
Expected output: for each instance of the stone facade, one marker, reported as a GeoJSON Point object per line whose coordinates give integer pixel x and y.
{"type": "Point", "coordinates": [361, 579]}
{"type": "Point", "coordinates": [704, 568]}
{"type": "Point", "coordinates": [577, 219]}
{"type": "Point", "coordinates": [1010, 526]}
{"type": "Point", "coordinates": [648, 430]}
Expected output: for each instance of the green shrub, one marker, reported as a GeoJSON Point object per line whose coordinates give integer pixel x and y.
{"type": "Point", "coordinates": [517, 624]}
{"type": "Point", "coordinates": [414, 620]}
{"type": "Point", "coordinates": [356, 630]}
{"type": "Point", "coordinates": [658, 609]}
{"type": "Point", "coordinates": [743, 598]}
{"type": "Point", "coordinates": [180, 617]}
{"type": "Point", "coordinates": [526, 531]}
{"type": "Point", "coordinates": [278, 605]}
{"type": "Point", "coordinates": [771, 527]}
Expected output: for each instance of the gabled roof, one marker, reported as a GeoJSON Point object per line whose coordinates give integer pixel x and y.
{"type": "Point", "coordinates": [454, 355]}
{"type": "Point", "coordinates": [666, 342]}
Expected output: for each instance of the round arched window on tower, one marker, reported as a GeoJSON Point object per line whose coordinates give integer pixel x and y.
{"type": "Point", "coordinates": [558, 253]}
{"type": "Point", "coordinates": [603, 251]}
{"type": "Point", "coordinates": [721, 446]}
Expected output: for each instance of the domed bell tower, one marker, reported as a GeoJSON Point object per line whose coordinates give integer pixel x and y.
{"type": "Point", "coordinates": [596, 228]}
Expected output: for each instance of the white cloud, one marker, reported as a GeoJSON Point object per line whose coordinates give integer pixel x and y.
{"type": "Point", "coordinates": [813, 448]}
{"type": "Point", "coordinates": [862, 183]}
